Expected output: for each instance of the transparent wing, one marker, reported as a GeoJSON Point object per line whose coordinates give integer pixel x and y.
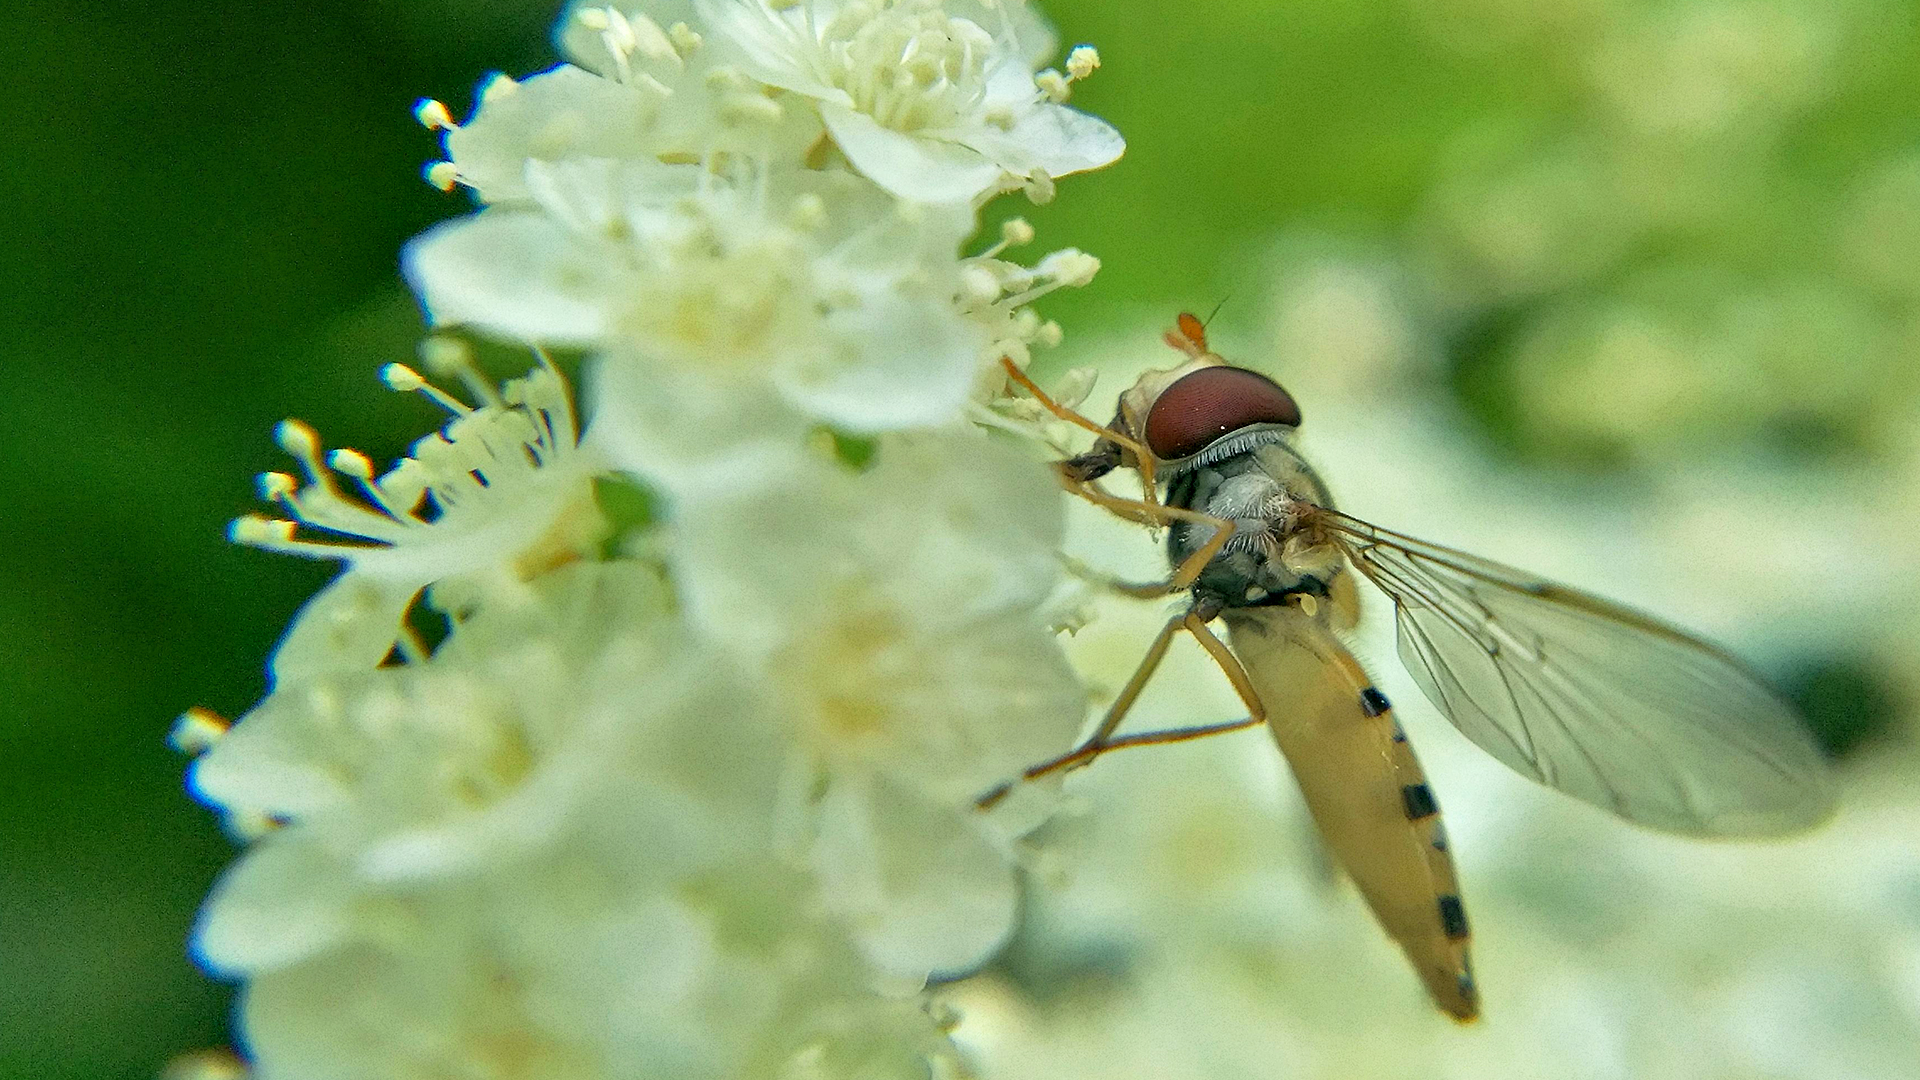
{"type": "Point", "coordinates": [1583, 695]}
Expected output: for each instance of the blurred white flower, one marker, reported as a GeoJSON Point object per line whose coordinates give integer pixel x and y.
{"type": "Point", "coordinates": [814, 285]}
{"type": "Point", "coordinates": [936, 100]}
{"type": "Point", "coordinates": [706, 809]}
{"type": "Point", "coordinates": [547, 851]}
{"type": "Point", "coordinates": [894, 618]}
{"type": "Point", "coordinates": [641, 92]}
{"type": "Point", "coordinates": [502, 492]}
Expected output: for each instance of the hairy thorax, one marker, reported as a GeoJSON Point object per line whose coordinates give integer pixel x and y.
{"type": "Point", "coordinates": [1269, 494]}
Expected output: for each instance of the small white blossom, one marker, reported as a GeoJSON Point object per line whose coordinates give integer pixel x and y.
{"type": "Point", "coordinates": [544, 852]}
{"type": "Point", "coordinates": [813, 285]}
{"type": "Point", "coordinates": [641, 93]}
{"type": "Point", "coordinates": [894, 616]}
{"type": "Point", "coordinates": [502, 491]}
{"type": "Point", "coordinates": [553, 116]}
{"type": "Point", "coordinates": [419, 770]}
{"type": "Point", "coordinates": [936, 100]}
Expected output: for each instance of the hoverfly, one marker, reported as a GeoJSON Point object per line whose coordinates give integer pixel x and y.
{"type": "Point", "coordinates": [1608, 705]}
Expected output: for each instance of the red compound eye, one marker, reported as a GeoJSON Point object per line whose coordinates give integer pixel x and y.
{"type": "Point", "coordinates": [1211, 402]}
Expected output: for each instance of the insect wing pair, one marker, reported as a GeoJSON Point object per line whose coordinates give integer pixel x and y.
{"type": "Point", "coordinates": [1603, 703]}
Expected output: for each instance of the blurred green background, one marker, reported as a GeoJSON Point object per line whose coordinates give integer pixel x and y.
{"type": "Point", "coordinates": [1640, 236]}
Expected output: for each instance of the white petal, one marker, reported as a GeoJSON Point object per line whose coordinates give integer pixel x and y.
{"type": "Point", "coordinates": [921, 169]}
{"type": "Point", "coordinates": [666, 425]}
{"type": "Point", "coordinates": [951, 528]}
{"type": "Point", "coordinates": [989, 702]}
{"type": "Point", "coordinates": [989, 517]}
{"type": "Point", "coordinates": [775, 50]}
{"type": "Point", "coordinates": [562, 113]}
{"type": "Point", "coordinates": [516, 273]}
{"type": "Point", "coordinates": [1018, 28]}
{"type": "Point", "coordinates": [912, 364]}
{"type": "Point", "coordinates": [273, 762]}
{"type": "Point", "coordinates": [1053, 139]}
{"type": "Point", "coordinates": [283, 902]}
{"type": "Point", "coordinates": [766, 509]}
{"type": "Point", "coordinates": [923, 888]}
{"type": "Point", "coordinates": [595, 197]}
{"type": "Point", "coordinates": [350, 625]}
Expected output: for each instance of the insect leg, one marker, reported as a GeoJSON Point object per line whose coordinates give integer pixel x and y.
{"type": "Point", "coordinates": [1161, 514]}
{"type": "Point", "coordinates": [1101, 741]}
{"type": "Point", "coordinates": [1087, 753]}
{"type": "Point", "coordinates": [1229, 666]}
{"type": "Point", "coordinates": [1148, 509]}
{"type": "Point", "coordinates": [1142, 456]}
{"type": "Point", "coordinates": [1116, 712]}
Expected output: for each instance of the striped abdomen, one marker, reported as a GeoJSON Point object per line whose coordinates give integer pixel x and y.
{"type": "Point", "coordinates": [1364, 788]}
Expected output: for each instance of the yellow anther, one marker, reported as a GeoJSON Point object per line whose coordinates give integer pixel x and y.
{"type": "Point", "coordinates": [1016, 231]}
{"type": "Point", "coordinates": [257, 531]}
{"type": "Point", "coordinates": [352, 462]}
{"type": "Point", "coordinates": [444, 175]}
{"type": "Point", "coordinates": [1073, 387]}
{"type": "Point", "coordinates": [1056, 86]}
{"type": "Point", "coordinates": [197, 730]}
{"type": "Point", "coordinates": [750, 108]}
{"type": "Point", "coordinates": [401, 377]}
{"type": "Point", "coordinates": [1070, 267]}
{"type": "Point", "coordinates": [649, 40]}
{"type": "Point", "coordinates": [594, 19]}
{"type": "Point", "coordinates": [275, 486]}
{"type": "Point", "coordinates": [445, 355]}
{"type": "Point", "coordinates": [1051, 335]}
{"type": "Point", "coordinates": [618, 34]}
{"type": "Point", "coordinates": [298, 439]}
{"type": "Point", "coordinates": [809, 212]}
{"type": "Point", "coordinates": [727, 78]}
{"type": "Point", "coordinates": [979, 285]}
{"type": "Point", "coordinates": [684, 38]}
{"type": "Point", "coordinates": [205, 1065]}
{"type": "Point", "coordinates": [1082, 61]}
{"type": "Point", "coordinates": [433, 115]}
{"type": "Point", "coordinates": [1039, 188]}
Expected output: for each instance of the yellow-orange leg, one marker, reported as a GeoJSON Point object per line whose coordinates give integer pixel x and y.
{"type": "Point", "coordinates": [1161, 514]}
{"type": "Point", "coordinates": [1148, 510]}
{"type": "Point", "coordinates": [1143, 457]}
{"type": "Point", "coordinates": [1101, 741]}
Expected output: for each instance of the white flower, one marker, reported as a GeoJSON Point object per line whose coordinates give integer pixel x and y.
{"type": "Point", "coordinates": [936, 100]}
{"type": "Point", "coordinates": [643, 93]}
{"type": "Point", "coordinates": [527, 981]}
{"type": "Point", "coordinates": [814, 286]}
{"type": "Point", "coordinates": [502, 492]}
{"type": "Point", "coordinates": [546, 851]}
{"type": "Point", "coordinates": [553, 116]}
{"type": "Point", "coordinates": [482, 750]}
{"type": "Point", "coordinates": [893, 616]}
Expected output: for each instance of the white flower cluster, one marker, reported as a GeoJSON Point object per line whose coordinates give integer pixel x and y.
{"type": "Point", "coordinates": [765, 235]}
{"type": "Point", "coordinates": [689, 796]}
